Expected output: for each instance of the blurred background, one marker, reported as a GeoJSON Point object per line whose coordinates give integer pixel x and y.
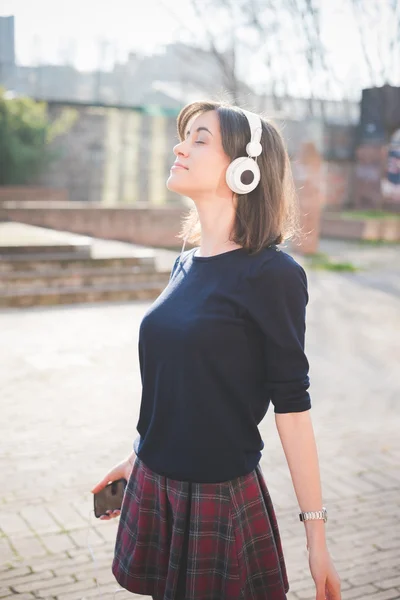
{"type": "Point", "coordinates": [89, 95]}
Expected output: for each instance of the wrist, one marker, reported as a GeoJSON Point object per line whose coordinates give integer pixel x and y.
{"type": "Point", "coordinates": [320, 546]}
{"type": "Point", "coordinates": [315, 533]}
{"type": "Point", "coordinates": [131, 458]}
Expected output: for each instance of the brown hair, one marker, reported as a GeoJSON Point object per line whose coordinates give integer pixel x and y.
{"type": "Point", "coordinates": [268, 214]}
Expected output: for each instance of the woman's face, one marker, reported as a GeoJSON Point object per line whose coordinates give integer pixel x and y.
{"type": "Point", "coordinates": [201, 163]}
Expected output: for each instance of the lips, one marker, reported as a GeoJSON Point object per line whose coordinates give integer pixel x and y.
{"type": "Point", "coordinates": [179, 166]}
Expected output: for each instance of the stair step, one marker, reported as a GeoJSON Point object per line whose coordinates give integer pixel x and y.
{"type": "Point", "coordinates": [94, 293]}
{"type": "Point", "coordinates": [9, 264]}
{"type": "Point", "coordinates": [54, 278]}
{"type": "Point", "coordinates": [66, 250]}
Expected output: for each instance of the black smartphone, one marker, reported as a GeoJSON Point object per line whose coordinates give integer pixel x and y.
{"type": "Point", "coordinates": [110, 497]}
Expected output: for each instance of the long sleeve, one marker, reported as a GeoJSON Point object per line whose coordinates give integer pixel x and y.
{"type": "Point", "coordinates": [227, 333]}
{"type": "Point", "coordinates": [278, 298]}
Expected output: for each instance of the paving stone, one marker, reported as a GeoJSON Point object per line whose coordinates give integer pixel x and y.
{"type": "Point", "coordinates": [39, 519]}
{"type": "Point", "coordinates": [79, 361]}
{"type": "Point", "coordinates": [103, 575]}
{"type": "Point", "coordinates": [387, 543]}
{"type": "Point", "coordinates": [28, 547]}
{"type": "Point", "coordinates": [84, 537]}
{"type": "Point", "coordinates": [357, 593]}
{"type": "Point", "coordinates": [65, 514]}
{"type": "Point", "coordinates": [6, 552]}
{"type": "Point", "coordinates": [109, 589]}
{"type": "Point", "coordinates": [69, 588]}
{"type": "Point", "coordinates": [21, 597]}
{"type": "Point", "coordinates": [358, 570]}
{"type": "Point", "coordinates": [309, 591]}
{"type": "Point", "coordinates": [57, 542]}
{"type": "Point", "coordinates": [374, 577]}
{"type": "Point", "coordinates": [109, 532]}
{"type": "Point", "coordinates": [385, 595]}
{"type": "Point", "coordinates": [104, 552]}
{"type": "Point", "coordinates": [13, 525]}
{"type": "Point", "coordinates": [42, 585]}
{"type": "Point", "coordinates": [394, 582]}
{"type": "Point", "coordinates": [16, 579]}
{"type": "Point", "coordinates": [50, 562]}
{"type": "Point", "coordinates": [7, 575]}
{"type": "Point", "coordinates": [84, 569]}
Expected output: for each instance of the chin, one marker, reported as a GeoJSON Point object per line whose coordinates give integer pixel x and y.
{"type": "Point", "coordinates": [175, 186]}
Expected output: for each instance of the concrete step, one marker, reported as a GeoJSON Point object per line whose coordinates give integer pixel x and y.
{"type": "Point", "coordinates": [37, 263]}
{"type": "Point", "coordinates": [69, 251]}
{"type": "Point", "coordinates": [39, 266]}
{"type": "Point", "coordinates": [145, 290]}
{"type": "Point", "coordinates": [81, 277]}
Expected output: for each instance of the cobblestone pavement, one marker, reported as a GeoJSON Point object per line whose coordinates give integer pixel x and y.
{"type": "Point", "coordinates": [70, 393]}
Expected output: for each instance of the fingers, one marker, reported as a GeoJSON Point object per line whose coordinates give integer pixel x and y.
{"type": "Point", "coordinates": [110, 515]}
{"type": "Point", "coordinates": [320, 585]}
{"type": "Point", "coordinates": [333, 588]}
{"type": "Point", "coordinates": [99, 486]}
{"type": "Point", "coordinates": [102, 484]}
{"type": "Point", "coordinates": [115, 473]}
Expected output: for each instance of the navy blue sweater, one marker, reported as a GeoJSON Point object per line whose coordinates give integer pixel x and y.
{"type": "Point", "coordinates": [223, 340]}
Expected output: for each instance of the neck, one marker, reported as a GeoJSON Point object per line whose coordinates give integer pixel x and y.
{"type": "Point", "coordinates": [216, 219]}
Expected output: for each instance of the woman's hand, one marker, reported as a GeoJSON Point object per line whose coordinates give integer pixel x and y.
{"type": "Point", "coordinates": [323, 572]}
{"type": "Point", "coordinates": [121, 470]}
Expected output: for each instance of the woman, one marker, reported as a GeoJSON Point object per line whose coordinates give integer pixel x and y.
{"type": "Point", "coordinates": [223, 340]}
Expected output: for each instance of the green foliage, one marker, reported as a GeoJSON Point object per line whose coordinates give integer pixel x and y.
{"type": "Point", "coordinates": [26, 133]}
{"type": "Point", "coordinates": [379, 242]}
{"type": "Point", "coordinates": [369, 214]}
{"type": "Point", "coordinates": [320, 260]}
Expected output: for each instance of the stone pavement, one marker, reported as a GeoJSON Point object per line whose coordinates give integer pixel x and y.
{"type": "Point", "coordinates": [70, 394]}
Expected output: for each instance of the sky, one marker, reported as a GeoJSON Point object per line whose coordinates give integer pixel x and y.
{"type": "Point", "coordinates": [50, 30]}
{"type": "Point", "coordinates": [89, 32]}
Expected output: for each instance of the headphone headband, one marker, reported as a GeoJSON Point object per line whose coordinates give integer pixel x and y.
{"type": "Point", "coordinates": [243, 174]}
{"type": "Point", "coordinates": [255, 125]}
{"type": "Point", "coordinates": [254, 147]}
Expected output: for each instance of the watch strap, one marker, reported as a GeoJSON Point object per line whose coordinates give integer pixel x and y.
{"type": "Point", "coordinates": [314, 514]}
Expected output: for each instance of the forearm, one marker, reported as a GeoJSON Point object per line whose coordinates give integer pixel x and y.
{"type": "Point", "coordinates": [298, 442]}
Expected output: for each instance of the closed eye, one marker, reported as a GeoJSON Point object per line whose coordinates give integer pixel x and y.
{"type": "Point", "coordinates": [198, 142]}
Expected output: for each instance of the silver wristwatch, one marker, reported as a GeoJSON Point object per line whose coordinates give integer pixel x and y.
{"type": "Point", "coordinates": [316, 514]}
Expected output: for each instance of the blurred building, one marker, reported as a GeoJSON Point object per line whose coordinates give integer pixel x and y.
{"type": "Point", "coordinates": [119, 150]}
{"type": "Point", "coordinates": [7, 51]}
{"type": "Point", "coordinates": [169, 79]}
{"type": "Point", "coordinates": [378, 149]}
{"type": "Point", "coordinates": [118, 155]}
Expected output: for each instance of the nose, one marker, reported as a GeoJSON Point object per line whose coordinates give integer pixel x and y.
{"type": "Point", "coordinates": [180, 149]}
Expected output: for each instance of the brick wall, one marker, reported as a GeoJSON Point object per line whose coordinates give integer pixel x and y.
{"type": "Point", "coordinates": [339, 179]}
{"type": "Point", "coordinates": [32, 193]}
{"type": "Point", "coordinates": [119, 156]}
{"type": "Point", "coordinates": [146, 226]}
{"type": "Point", "coordinates": [360, 229]}
{"type": "Point", "coordinates": [114, 156]}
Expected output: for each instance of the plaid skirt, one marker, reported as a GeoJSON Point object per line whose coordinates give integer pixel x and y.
{"type": "Point", "coordinates": [179, 540]}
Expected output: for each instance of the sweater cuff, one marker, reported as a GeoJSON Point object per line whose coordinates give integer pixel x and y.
{"type": "Point", "coordinates": [288, 397]}
{"type": "Point", "coordinates": [300, 405]}
{"type": "Point", "coordinates": [136, 444]}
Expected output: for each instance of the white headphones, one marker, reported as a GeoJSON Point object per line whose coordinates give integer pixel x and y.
{"type": "Point", "coordinates": [243, 174]}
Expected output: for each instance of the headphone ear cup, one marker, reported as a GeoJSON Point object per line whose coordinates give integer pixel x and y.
{"type": "Point", "coordinates": [243, 175]}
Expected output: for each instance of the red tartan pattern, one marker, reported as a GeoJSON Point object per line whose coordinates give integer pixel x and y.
{"type": "Point", "coordinates": [234, 549]}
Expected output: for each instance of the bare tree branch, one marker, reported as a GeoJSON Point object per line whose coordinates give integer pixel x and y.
{"type": "Point", "coordinates": [286, 38]}
{"type": "Point", "coordinates": [378, 26]}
